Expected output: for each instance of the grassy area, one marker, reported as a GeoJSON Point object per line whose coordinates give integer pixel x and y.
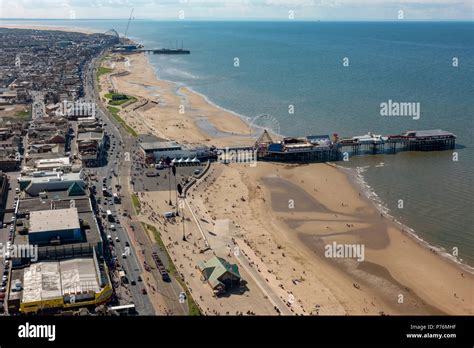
{"type": "Point", "coordinates": [102, 71]}
{"type": "Point", "coordinates": [136, 203]}
{"type": "Point", "coordinates": [123, 98]}
{"type": "Point", "coordinates": [192, 307]}
{"type": "Point", "coordinates": [114, 112]}
{"type": "Point", "coordinates": [25, 114]}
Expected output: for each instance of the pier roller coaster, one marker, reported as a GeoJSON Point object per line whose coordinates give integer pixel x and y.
{"type": "Point", "coordinates": [113, 32]}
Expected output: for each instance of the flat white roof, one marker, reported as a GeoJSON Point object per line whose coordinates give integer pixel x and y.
{"type": "Point", "coordinates": [47, 176]}
{"type": "Point", "coordinates": [52, 279]}
{"type": "Point", "coordinates": [60, 160]}
{"type": "Point", "coordinates": [53, 220]}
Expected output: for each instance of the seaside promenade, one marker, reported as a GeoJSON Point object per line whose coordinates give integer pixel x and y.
{"type": "Point", "coordinates": [164, 120]}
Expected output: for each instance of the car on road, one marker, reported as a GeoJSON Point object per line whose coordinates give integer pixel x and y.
{"type": "Point", "coordinates": [124, 256]}
{"type": "Point", "coordinates": [170, 214]}
{"type": "Point", "coordinates": [139, 278]}
{"type": "Point", "coordinates": [117, 239]}
{"type": "Point", "coordinates": [132, 281]}
{"type": "Point", "coordinates": [144, 291]}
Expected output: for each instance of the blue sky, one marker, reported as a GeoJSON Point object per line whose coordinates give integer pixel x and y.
{"type": "Point", "coordinates": [241, 9]}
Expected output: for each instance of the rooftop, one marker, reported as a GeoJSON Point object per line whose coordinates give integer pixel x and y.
{"type": "Point", "coordinates": [215, 267]}
{"type": "Point", "coordinates": [160, 145]}
{"type": "Point", "coordinates": [61, 200]}
{"type": "Point", "coordinates": [53, 279]}
{"type": "Point", "coordinates": [86, 136]}
{"type": "Point", "coordinates": [48, 176]}
{"type": "Point", "coordinates": [431, 133]}
{"type": "Point", "coordinates": [54, 220]}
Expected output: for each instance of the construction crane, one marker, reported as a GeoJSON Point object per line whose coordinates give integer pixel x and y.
{"type": "Point", "coordinates": [128, 24]}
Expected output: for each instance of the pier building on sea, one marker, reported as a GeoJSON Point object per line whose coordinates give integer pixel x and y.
{"type": "Point", "coordinates": [321, 148]}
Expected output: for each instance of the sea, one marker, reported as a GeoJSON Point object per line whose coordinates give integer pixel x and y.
{"type": "Point", "coordinates": [313, 78]}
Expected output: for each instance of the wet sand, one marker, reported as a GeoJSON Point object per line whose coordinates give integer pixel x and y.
{"type": "Point", "coordinates": [286, 244]}
{"type": "Point", "coordinates": [289, 243]}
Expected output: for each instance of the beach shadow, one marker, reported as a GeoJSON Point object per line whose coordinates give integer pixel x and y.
{"type": "Point", "coordinates": [236, 291]}
{"type": "Point", "coordinates": [284, 192]}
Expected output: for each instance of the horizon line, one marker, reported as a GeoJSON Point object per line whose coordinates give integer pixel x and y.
{"type": "Point", "coordinates": [241, 19]}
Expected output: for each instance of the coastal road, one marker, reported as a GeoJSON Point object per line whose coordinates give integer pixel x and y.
{"type": "Point", "coordinates": [130, 263]}
{"type": "Point", "coordinates": [121, 158]}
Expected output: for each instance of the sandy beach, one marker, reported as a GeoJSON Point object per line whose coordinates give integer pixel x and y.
{"type": "Point", "coordinates": [286, 245]}
{"type": "Point", "coordinates": [172, 111]}
{"type": "Point", "coordinates": [280, 218]}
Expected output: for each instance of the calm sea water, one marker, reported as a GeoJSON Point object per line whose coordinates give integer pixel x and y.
{"type": "Point", "coordinates": [301, 64]}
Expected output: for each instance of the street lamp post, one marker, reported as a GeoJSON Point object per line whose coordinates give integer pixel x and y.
{"type": "Point", "coordinates": [174, 174]}
{"type": "Point", "coordinates": [169, 183]}
{"type": "Point", "coordinates": [182, 219]}
{"type": "Point", "coordinates": [168, 163]}
{"type": "Point", "coordinates": [179, 189]}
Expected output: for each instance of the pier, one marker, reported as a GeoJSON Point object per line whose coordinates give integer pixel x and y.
{"type": "Point", "coordinates": [166, 51]}
{"type": "Point", "coordinates": [320, 148]}
{"type": "Point", "coordinates": [132, 48]}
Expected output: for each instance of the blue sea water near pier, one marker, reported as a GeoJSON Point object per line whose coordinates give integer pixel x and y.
{"type": "Point", "coordinates": [301, 64]}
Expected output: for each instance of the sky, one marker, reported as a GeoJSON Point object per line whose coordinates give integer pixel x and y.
{"type": "Point", "coordinates": [241, 9]}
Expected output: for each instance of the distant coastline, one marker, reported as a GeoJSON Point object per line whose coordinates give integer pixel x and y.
{"type": "Point", "coordinates": [386, 256]}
